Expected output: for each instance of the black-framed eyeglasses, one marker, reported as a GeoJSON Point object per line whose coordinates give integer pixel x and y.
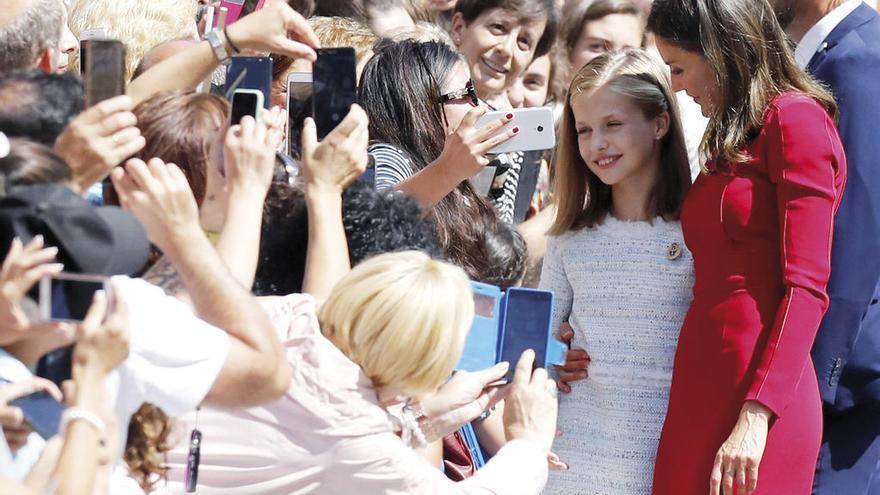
{"type": "Point", "coordinates": [469, 91]}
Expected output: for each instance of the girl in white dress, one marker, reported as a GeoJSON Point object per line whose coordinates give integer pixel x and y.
{"type": "Point", "coordinates": [619, 267]}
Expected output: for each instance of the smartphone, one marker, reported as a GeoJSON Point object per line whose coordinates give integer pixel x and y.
{"type": "Point", "coordinates": [480, 347]}
{"type": "Point", "coordinates": [104, 76]}
{"type": "Point", "coordinates": [68, 296]}
{"type": "Point", "coordinates": [86, 37]}
{"type": "Point", "coordinates": [41, 412]}
{"type": "Point", "coordinates": [482, 182]}
{"type": "Point", "coordinates": [536, 129]}
{"type": "Point", "coordinates": [236, 9]}
{"type": "Point", "coordinates": [334, 87]}
{"type": "Point", "coordinates": [526, 319]}
{"type": "Point", "coordinates": [299, 106]}
{"type": "Point", "coordinates": [245, 102]}
{"type": "Point", "coordinates": [257, 75]}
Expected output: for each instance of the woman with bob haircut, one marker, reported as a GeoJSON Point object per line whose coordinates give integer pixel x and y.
{"type": "Point", "coordinates": [745, 415]}
{"type": "Point", "coordinates": [390, 333]}
{"type": "Point", "coordinates": [621, 176]}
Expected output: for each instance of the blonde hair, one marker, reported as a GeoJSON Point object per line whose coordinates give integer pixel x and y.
{"type": "Point", "coordinates": [341, 31]}
{"type": "Point", "coordinates": [402, 317]}
{"type": "Point", "coordinates": [140, 25]}
{"type": "Point", "coordinates": [582, 199]}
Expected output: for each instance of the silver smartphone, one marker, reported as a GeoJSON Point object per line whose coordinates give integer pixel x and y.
{"type": "Point", "coordinates": [68, 296]}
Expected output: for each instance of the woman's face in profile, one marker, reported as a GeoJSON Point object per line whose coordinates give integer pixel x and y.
{"type": "Point", "coordinates": [692, 74]}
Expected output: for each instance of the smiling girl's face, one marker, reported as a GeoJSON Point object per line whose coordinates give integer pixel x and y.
{"type": "Point", "coordinates": [498, 46]}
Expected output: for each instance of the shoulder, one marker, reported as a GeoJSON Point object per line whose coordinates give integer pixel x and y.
{"type": "Point", "coordinates": [793, 111]}
{"type": "Point", "coordinates": [385, 151]}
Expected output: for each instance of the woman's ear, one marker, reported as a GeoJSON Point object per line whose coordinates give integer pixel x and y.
{"type": "Point", "coordinates": [662, 123]}
{"type": "Point", "coordinates": [456, 30]}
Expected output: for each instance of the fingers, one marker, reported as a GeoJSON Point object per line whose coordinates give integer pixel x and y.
{"type": "Point", "coordinates": [740, 479]}
{"type": "Point", "coordinates": [752, 477]}
{"type": "Point", "coordinates": [107, 108]}
{"type": "Point", "coordinates": [577, 354]}
{"type": "Point", "coordinates": [523, 372]}
{"type": "Point", "coordinates": [11, 417]}
{"type": "Point", "coordinates": [489, 375]}
{"type": "Point", "coordinates": [351, 122]}
{"type": "Point", "coordinates": [309, 137]}
{"type": "Point", "coordinates": [296, 25]}
{"type": "Point", "coordinates": [497, 139]}
{"type": "Point", "coordinates": [727, 475]}
{"type": "Point", "coordinates": [571, 376]}
{"type": "Point", "coordinates": [471, 117]}
{"type": "Point", "coordinates": [715, 478]}
{"type": "Point", "coordinates": [15, 390]}
{"type": "Point", "coordinates": [490, 128]}
{"type": "Point", "coordinates": [563, 386]}
{"type": "Point", "coordinates": [296, 49]}
{"type": "Point", "coordinates": [566, 332]}
{"type": "Point", "coordinates": [95, 315]}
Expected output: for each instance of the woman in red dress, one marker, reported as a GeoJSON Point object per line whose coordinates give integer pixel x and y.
{"type": "Point", "coordinates": [744, 412]}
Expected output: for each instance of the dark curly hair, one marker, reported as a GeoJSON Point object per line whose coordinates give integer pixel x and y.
{"type": "Point", "coordinates": [38, 106]}
{"type": "Point", "coordinates": [374, 222]}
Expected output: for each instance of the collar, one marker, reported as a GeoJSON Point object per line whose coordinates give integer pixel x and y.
{"type": "Point", "coordinates": [813, 40]}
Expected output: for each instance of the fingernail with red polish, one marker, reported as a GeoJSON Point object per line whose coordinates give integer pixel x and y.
{"type": "Point", "coordinates": [515, 130]}
{"type": "Point", "coordinates": [510, 116]}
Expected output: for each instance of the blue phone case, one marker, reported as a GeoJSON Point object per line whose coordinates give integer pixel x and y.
{"type": "Point", "coordinates": [258, 76]}
{"type": "Point", "coordinates": [538, 304]}
{"type": "Point", "coordinates": [42, 412]}
{"type": "Point", "coordinates": [480, 347]}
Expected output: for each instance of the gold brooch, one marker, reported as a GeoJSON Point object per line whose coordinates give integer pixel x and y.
{"type": "Point", "coordinates": [673, 251]}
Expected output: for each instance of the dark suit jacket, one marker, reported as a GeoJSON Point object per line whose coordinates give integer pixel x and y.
{"type": "Point", "coordinates": [847, 350]}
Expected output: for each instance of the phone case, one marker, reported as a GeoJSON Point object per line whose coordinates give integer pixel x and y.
{"type": "Point", "coordinates": [334, 84]}
{"type": "Point", "coordinates": [536, 129]}
{"type": "Point", "coordinates": [234, 10]}
{"type": "Point", "coordinates": [257, 75]}
{"type": "Point", "coordinates": [42, 412]}
{"type": "Point", "coordinates": [486, 337]}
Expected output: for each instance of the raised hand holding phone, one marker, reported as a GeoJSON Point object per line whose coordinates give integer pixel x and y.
{"type": "Point", "coordinates": [338, 159]}
{"type": "Point", "coordinates": [276, 28]}
{"type": "Point", "coordinates": [249, 157]}
{"type": "Point", "coordinates": [464, 152]}
{"type": "Point", "coordinates": [25, 264]}
{"type": "Point", "coordinates": [334, 87]}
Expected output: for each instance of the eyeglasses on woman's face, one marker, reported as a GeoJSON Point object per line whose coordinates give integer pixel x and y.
{"type": "Point", "coordinates": [469, 92]}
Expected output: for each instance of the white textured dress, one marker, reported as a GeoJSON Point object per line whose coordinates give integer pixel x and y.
{"type": "Point", "coordinates": [625, 288]}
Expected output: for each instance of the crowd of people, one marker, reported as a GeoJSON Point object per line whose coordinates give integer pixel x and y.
{"type": "Point", "coordinates": [708, 223]}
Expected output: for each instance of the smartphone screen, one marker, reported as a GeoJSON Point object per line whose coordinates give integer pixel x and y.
{"type": "Point", "coordinates": [257, 75]}
{"type": "Point", "coordinates": [299, 106]}
{"type": "Point", "coordinates": [67, 297]}
{"type": "Point", "coordinates": [335, 87]}
{"type": "Point", "coordinates": [526, 326]}
{"type": "Point", "coordinates": [42, 412]}
{"type": "Point", "coordinates": [104, 62]}
{"type": "Point", "coordinates": [243, 103]}
{"type": "Point", "coordinates": [248, 7]}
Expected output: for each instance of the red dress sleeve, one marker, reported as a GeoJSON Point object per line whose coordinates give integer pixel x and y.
{"type": "Point", "coordinates": [805, 161]}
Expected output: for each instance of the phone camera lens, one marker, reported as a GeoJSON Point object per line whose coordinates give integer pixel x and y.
{"type": "Point", "coordinates": [540, 128]}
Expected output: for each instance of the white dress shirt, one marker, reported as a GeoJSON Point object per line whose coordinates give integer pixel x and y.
{"type": "Point", "coordinates": [813, 41]}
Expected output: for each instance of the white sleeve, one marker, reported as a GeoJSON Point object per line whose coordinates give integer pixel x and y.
{"type": "Point", "coordinates": [554, 278]}
{"type": "Point", "coordinates": [174, 356]}
{"type": "Point", "coordinates": [381, 463]}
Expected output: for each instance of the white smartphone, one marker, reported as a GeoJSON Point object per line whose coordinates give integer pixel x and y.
{"type": "Point", "coordinates": [299, 106]}
{"type": "Point", "coordinates": [536, 130]}
{"type": "Point", "coordinates": [245, 102]}
{"type": "Point", "coordinates": [68, 296]}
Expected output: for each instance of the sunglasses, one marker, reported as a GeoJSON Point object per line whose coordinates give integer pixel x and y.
{"type": "Point", "coordinates": [468, 91]}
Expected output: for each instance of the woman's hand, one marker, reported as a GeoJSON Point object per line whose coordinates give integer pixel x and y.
{"type": "Point", "coordinates": [340, 158]}
{"type": "Point", "coordinates": [23, 267]}
{"type": "Point", "coordinates": [249, 156]}
{"type": "Point", "coordinates": [530, 408]}
{"type": "Point", "coordinates": [276, 28]}
{"type": "Point", "coordinates": [464, 153]}
{"type": "Point", "coordinates": [740, 455]}
{"type": "Point", "coordinates": [576, 361]}
{"type": "Point", "coordinates": [463, 398]}
{"type": "Point", "coordinates": [102, 343]}
{"type": "Point", "coordinates": [160, 197]}
{"type": "Point", "coordinates": [11, 417]}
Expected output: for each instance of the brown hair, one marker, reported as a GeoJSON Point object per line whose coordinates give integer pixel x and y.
{"type": "Point", "coordinates": [576, 14]}
{"type": "Point", "coordinates": [30, 163]}
{"type": "Point", "coordinates": [582, 199]}
{"type": "Point", "coordinates": [147, 443]}
{"type": "Point", "coordinates": [180, 127]}
{"type": "Point", "coordinates": [527, 10]}
{"type": "Point", "coordinates": [752, 60]}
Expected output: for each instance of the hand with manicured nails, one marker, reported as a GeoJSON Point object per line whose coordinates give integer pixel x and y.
{"type": "Point", "coordinates": [464, 152]}
{"type": "Point", "coordinates": [276, 28]}
{"type": "Point", "coordinates": [530, 408]}
{"type": "Point", "coordinates": [340, 158]}
{"type": "Point", "coordinates": [464, 398]}
{"type": "Point", "coordinates": [160, 197]}
{"type": "Point", "coordinates": [99, 139]}
{"type": "Point", "coordinates": [23, 267]}
{"type": "Point", "coordinates": [576, 361]}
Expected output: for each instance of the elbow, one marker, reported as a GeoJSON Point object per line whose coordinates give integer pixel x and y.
{"type": "Point", "coordinates": [271, 378]}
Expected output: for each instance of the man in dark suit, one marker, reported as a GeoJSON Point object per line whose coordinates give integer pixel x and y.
{"type": "Point", "coordinates": [839, 44]}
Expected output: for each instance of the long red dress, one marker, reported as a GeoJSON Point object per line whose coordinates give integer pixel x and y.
{"type": "Point", "coordinates": [760, 234]}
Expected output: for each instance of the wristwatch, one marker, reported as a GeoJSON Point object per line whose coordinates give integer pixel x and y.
{"type": "Point", "coordinates": [218, 46]}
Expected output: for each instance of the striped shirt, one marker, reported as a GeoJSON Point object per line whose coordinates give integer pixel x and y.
{"type": "Point", "coordinates": [391, 164]}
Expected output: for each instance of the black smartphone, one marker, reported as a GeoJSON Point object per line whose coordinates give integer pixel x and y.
{"type": "Point", "coordinates": [257, 75]}
{"type": "Point", "coordinates": [245, 102]}
{"type": "Point", "coordinates": [299, 106]}
{"type": "Point", "coordinates": [526, 325]}
{"type": "Point", "coordinates": [68, 296]}
{"type": "Point", "coordinates": [104, 70]}
{"type": "Point", "coordinates": [41, 412]}
{"type": "Point", "coordinates": [334, 85]}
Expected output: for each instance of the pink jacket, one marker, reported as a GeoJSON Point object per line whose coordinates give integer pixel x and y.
{"type": "Point", "coordinates": [329, 434]}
